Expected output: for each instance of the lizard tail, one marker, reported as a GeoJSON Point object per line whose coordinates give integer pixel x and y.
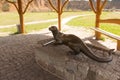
{"type": "Point", "coordinates": [88, 52]}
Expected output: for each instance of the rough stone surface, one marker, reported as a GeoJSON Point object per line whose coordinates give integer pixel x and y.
{"type": "Point", "coordinates": [80, 67]}
{"type": "Point", "coordinates": [77, 67]}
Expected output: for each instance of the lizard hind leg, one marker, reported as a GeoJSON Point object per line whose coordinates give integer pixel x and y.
{"type": "Point", "coordinates": [75, 49]}
{"type": "Point", "coordinates": [73, 52]}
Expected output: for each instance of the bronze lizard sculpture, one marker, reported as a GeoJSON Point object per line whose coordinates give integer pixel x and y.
{"type": "Point", "coordinates": [77, 45]}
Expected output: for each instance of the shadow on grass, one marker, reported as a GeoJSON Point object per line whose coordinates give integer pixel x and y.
{"type": "Point", "coordinates": [15, 33]}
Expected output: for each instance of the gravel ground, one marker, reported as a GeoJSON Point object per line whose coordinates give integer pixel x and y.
{"type": "Point", "coordinates": [17, 61]}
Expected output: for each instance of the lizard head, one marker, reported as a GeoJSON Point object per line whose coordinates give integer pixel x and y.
{"type": "Point", "coordinates": [53, 28]}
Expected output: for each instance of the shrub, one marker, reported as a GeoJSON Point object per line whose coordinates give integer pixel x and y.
{"type": "Point", "coordinates": [5, 7]}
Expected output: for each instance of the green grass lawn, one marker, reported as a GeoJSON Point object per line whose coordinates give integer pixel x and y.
{"type": "Point", "coordinates": [89, 21]}
{"type": "Point", "coordinates": [37, 27]}
{"type": "Point", "coordinates": [28, 28]}
{"type": "Point", "coordinates": [8, 18]}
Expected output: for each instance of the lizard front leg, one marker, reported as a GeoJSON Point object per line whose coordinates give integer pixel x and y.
{"type": "Point", "coordinates": [58, 42]}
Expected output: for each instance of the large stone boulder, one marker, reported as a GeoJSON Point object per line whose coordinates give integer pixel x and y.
{"type": "Point", "coordinates": [56, 60]}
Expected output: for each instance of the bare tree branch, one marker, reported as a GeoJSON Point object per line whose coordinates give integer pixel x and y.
{"type": "Point", "coordinates": [63, 6]}
{"type": "Point", "coordinates": [102, 6]}
{"type": "Point", "coordinates": [13, 4]}
{"type": "Point", "coordinates": [92, 6]}
{"type": "Point", "coordinates": [52, 6]}
{"type": "Point", "coordinates": [27, 6]}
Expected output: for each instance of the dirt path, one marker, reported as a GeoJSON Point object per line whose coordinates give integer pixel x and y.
{"type": "Point", "coordinates": [64, 21]}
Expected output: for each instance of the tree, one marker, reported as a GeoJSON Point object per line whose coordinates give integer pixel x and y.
{"type": "Point", "coordinates": [98, 10]}
{"type": "Point", "coordinates": [19, 7]}
{"type": "Point", "coordinates": [59, 9]}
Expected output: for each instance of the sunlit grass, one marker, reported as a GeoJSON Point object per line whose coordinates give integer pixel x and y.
{"type": "Point", "coordinates": [84, 21]}
{"type": "Point", "coordinates": [28, 28]}
{"type": "Point", "coordinates": [8, 18]}
{"type": "Point", "coordinates": [37, 27]}
{"type": "Point", "coordinates": [10, 30]}
{"type": "Point", "coordinates": [89, 21]}
{"type": "Point", "coordinates": [113, 28]}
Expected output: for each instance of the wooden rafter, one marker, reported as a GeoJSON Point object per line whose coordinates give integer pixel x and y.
{"type": "Point", "coordinates": [13, 4]}
{"type": "Point", "coordinates": [64, 5]}
{"type": "Point", "coordinates": [116, 21]}
{"type": "Point", "coordinates": [102, 5]}
{"type": "Point", "coordinates": [59, 10]}
{"type": "Point", "coordinates": [27, 6]}
{"type": "Point", "coordinates": [92, 6]}
{"type": "Point", "coordinates": [52, 6]}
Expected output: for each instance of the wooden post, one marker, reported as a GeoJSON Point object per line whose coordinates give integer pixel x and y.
{"type": "Point", "coordinates": [21, 16]}
{"type": "Point", "coordinates": [59, 10]}
{"type": "Point", "coordinates": [97, 23]}
{"type": "Point", "coordinates": [59, 22]}
{"type": "Point", "coordinates": [59, 15]}
{"type": "Point", "coordinates": [97, 11]}
{"type": "Point", "coordinates": [21, 12]}
{"type": "Point", "coordinates": [118, 45]}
